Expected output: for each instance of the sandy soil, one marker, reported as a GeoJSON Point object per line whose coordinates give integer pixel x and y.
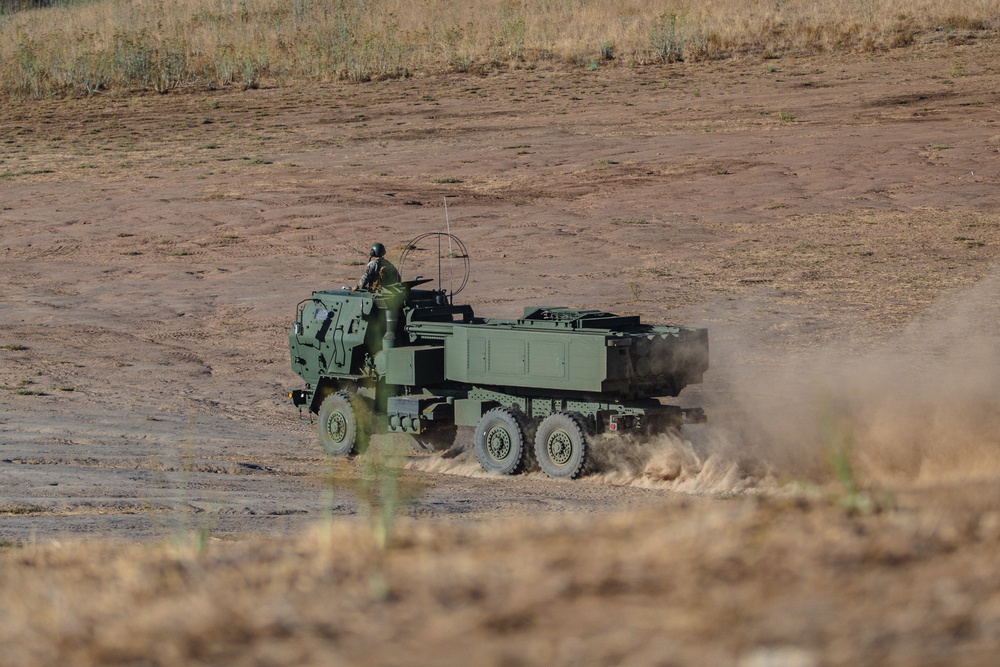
{"type": "Point", "coordinates": [832, 220]}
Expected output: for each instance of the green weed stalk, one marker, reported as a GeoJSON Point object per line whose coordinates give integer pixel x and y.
{"type": "Point", "coordinates": [838, 436]}
{"type": "Point", "coordinates": [378, 492]}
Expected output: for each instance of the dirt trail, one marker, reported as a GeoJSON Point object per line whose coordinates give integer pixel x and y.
{"type": "Point", "coordinates": [809, 212]}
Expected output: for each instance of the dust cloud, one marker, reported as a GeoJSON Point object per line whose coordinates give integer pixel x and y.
{"type": "Point", "coordinates": [459, 460]}
{"type": "Point", "coordinates": [670, 461]}
{"type": "Point", "coordinates": [920, 407]}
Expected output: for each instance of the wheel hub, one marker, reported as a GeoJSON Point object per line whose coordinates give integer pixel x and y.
{"type": "Point", "coordinates": [336, 426]}
{"type": "Point", "coordinates": [498, 443]}
{"type": "Point", "coordinates": [560, 447]}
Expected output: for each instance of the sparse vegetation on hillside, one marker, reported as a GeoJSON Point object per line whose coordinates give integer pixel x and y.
{"type": "Point", "coordinates": [81, 47]}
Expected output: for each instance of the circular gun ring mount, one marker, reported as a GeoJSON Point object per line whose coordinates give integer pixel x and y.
{"type": "Point", "coordinates": [450, 251]}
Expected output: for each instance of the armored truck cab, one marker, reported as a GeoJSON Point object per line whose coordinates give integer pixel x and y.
{"type": "Point", "coordinates": [408, 360]}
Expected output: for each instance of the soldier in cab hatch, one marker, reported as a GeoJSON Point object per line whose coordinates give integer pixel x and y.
{"type": "Point", "coordinates": [380, 272]}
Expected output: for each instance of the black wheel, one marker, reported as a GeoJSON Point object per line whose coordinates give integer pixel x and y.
{"type": "Point", "coordinates": [500, 442]}
{"type": "Point", "coordinates": [561, 445]}
{"type": "Point", "coordinates": [338, 425]}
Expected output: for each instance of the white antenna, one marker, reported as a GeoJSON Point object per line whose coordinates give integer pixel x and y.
{"type": "Point", "coordinates": [451, 252]}
{"type": "Point", "coordinates": [447, 224]}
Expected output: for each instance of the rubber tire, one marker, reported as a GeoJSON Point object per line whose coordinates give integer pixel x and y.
{"type": "Point", "coordinates": [337, 425]}
{"type": "Point", "coordinates": [570, 436]}
{"type": "Point", "coordinates": [500, 429]}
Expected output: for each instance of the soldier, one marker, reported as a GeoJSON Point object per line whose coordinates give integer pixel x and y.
{"type": "Point", "coordinates": [380, 272]}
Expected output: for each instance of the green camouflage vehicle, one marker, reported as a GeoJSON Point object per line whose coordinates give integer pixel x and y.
{"type": "Point", "coordinates": [409, 360]}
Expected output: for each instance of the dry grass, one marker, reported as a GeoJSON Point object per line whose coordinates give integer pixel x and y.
{"type": "Point", "coordinates": [152, 45]}
{"type": "Point", "coordinates": [751, 581]}
{"type": "Point", "coordinates": [742, 581]}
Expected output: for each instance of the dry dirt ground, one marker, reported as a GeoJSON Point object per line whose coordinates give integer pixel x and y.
{"type": "Point", "coordinates": [831, 219]}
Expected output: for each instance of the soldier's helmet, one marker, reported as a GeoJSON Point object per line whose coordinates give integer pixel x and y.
{"type": "Point", "coordinates": [378, 250]}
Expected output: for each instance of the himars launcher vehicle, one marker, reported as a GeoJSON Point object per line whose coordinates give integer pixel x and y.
{"type": "Point", "coordinates": [408, 360]}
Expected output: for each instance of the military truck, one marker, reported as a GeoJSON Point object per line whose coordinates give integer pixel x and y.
{"type": "Point", "coordinates": [409, 360]}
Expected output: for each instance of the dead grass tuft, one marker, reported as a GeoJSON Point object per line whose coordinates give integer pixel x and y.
{"type": "Point", "coordinates": [80, 48]}
{"type": "Point", "coordinates": [531, 591]}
